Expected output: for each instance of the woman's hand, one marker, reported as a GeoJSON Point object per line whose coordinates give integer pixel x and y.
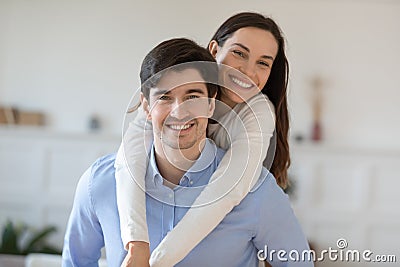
{"type": "Point", "coordinates": [138, 255]}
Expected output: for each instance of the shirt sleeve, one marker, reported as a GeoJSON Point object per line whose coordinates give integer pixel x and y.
{"type": "Point", "coordinates": [278, 228]}
{"type": "Point", "coordinates": [237, 173]}
{"type": "Point", "coordinates": [130, 170]}
{"type": "Point", "coordinates": [83, 238]}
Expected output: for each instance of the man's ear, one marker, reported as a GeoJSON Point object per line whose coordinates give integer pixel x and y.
{"type": "Point", "coordinates": [145, 105]}
{"type": "Point", "coordinates": [211, 106]}
{"type": "Point", "coordinates": [213, 48]}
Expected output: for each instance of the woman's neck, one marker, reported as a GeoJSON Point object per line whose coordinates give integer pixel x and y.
{"type": "Point", "coordinates": [224, 98]}
{"type": "Point", "coordinates": [222, 106]}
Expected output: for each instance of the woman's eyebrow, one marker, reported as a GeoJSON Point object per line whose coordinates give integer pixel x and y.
{"type": "Point", "coordinates": [248, 50]}
{"type": "Point", "coordinates": [242, 46]}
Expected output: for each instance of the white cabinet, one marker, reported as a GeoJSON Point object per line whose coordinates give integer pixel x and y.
{"type": "Point", "coordinates": [350, 193]}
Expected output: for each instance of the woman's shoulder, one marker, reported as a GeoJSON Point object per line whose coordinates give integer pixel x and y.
{"type": "Point", "coordinates": [260, 99]}
{"type": "Point", "coordinates": [257, 101]}
{"type": "Point", "coordinates": [258, 105]}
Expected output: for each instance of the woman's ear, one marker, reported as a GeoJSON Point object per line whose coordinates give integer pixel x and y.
{"type": "Point", "coordinates": [145, 105]}
{"type": "Point", "coordinates": [213, 48]}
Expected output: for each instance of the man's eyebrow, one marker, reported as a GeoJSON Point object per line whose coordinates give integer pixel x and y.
{"type": "Point", "coordinates": [195, 90]}
{"type": "Point", "coordinates": [248, 50]}
{"type": "Point", "coordinates": [189, 91]}
{"type": "Point", "coordinates": [160, 92]}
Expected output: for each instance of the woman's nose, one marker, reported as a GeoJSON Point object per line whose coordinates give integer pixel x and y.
{"type": "Point", "coordinates": [249, 70]}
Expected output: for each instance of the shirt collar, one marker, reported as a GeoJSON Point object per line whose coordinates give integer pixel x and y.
{"type": "Point", "coordinates": [192, 176]}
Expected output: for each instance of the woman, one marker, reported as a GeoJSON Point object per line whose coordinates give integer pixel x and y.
{"type": "Point", "coordinates": [253, 45]}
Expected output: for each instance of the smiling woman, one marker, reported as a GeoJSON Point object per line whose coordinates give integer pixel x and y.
{"type": "Point", "coordinates": [251, 51]}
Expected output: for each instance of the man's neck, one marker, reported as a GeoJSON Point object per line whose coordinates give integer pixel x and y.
{"type": "Point", "coordinates": [174, 163]}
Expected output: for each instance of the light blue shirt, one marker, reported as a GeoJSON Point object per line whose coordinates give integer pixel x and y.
{"type": "Point", "coordinates": [263, 218]}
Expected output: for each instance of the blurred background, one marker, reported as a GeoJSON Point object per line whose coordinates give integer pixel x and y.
{"type": "Point", "coordinates": [68, 70]}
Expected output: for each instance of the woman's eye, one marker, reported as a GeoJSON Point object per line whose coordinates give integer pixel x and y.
{"type": "Point", "coordinates": [239, 53]}
{"type": "Point", "coordinates": [264, 64]}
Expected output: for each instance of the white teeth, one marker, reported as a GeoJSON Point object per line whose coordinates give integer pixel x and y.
{"type": "Point", "coordinates": [240, 83]}
{"type": "Point", "coordinates": [180, 127]}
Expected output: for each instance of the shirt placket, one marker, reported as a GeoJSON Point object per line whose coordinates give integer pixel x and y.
{"type": "Point", "coordinates": [169, 212]}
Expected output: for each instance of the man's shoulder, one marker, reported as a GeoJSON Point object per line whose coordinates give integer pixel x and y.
{"type": "Point", "coordinates": [104, 163]}
{"type": "Point", "coordinates": [102, 170]}
{"type": "Point", "coordinates": [266, 187]}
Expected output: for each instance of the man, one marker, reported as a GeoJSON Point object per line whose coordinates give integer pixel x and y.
{"type": "Point", "coordinates": [178, 103]}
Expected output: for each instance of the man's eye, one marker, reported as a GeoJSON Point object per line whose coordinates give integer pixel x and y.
{"type": "Point", "coordinates": [193, 97]}
{"type": "Point", "coordinates": [163, 97]}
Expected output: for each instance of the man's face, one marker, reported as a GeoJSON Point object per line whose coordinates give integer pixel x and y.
{"type": "Point", "coordinates": [179, 108]}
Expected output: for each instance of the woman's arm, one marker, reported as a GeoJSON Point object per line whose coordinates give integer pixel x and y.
{"type": "Point", "coordinates": [240, 168]}
{"type": "Point", "coordinates": [130, 170]}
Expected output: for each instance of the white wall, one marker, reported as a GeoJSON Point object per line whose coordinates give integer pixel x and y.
{"type": "Point", "coordinates": [73, 59]}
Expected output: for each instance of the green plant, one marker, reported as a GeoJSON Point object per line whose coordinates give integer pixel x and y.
{"type": "Point", "coordinates": [12, 240]}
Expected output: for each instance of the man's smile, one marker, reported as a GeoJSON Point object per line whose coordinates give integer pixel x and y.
{"type": "Point", "coordinates": [181, 127]}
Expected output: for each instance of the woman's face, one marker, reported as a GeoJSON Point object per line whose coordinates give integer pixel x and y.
{"type": "Point", "coordinates": [251, 51]}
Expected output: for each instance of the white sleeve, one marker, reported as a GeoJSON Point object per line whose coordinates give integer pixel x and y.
{"type": "Point", "coordinates": [130, 170]}
{"type": "Point", "coordinates": [237, 173]}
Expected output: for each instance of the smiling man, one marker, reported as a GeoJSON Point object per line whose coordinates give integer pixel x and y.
{"type": "Point", "coordinates": [178, 99]}
{"type": "Point", "coordinates": [179, 110]}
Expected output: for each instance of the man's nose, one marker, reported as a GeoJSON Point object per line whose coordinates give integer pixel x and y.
{"type": "Point", "coordinates": [180, 109]}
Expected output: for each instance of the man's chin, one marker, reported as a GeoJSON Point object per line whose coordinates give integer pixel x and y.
{"type": "Point", "coordinates": [179, 146]}
{"type": "Point", "coordinates": [182, 145]}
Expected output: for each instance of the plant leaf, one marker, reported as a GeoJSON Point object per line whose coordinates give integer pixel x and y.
{"type": "Point", "coordinates": [9, 242]}
{"type": "Point", "coordinates": [38, 239]}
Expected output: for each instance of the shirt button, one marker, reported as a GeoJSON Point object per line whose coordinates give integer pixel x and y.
{"type": "Point", "coordinates": [170, 195]}
{"type": "Point", "coordinates": [191, 182]}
